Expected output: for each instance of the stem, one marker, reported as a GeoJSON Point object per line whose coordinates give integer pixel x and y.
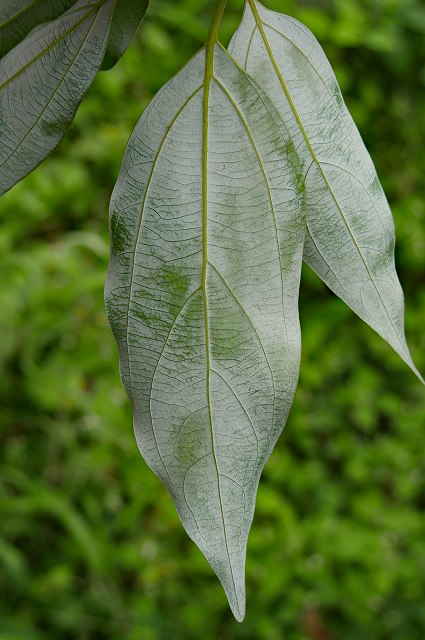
{"type": "Point", "coordinates": [213, 36]}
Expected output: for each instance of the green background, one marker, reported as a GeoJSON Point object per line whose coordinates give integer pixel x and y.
{"type": "Point", "coordinates": [90, 544]}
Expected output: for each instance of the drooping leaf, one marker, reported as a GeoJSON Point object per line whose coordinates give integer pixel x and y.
{"type": "Point", "coordinates": [350, 230]}
{"type": "Point", "coordinates": [42, 81]}
{"type": "Point", "coordinates": [207, 237]}
{"type": "Point", "coordinates": [127, 17]}
{"type": "Point", "coordinates": [18, 17]}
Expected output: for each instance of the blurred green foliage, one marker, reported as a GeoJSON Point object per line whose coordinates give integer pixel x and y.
{"type": "Point", "coordinates": [90, 545]}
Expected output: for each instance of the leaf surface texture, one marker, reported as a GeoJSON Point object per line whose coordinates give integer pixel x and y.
{"type": "Point", "coordinates": [350, 230]}
{"type": "Point", "coordinates": [207, 238]}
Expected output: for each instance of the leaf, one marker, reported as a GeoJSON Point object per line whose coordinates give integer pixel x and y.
{"type": "Point", "coordinates": [127, 17]}
{"type": "Point", "coordinates": [207, 237]}
{"type": "Point", "coordinates": [42, 81]}
{"type": "Point", "coordinates": [350, 231]}
{"type": "Point", "coordinates": [18, 17]}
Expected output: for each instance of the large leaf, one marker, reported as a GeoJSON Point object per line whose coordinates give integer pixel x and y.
{"type": "Point", "coordinates": [207, 237]}
{"type": "Point", "coordinates": [127, 17]}
{"type": "Point", "coordinates": [350, 238]}
{"type": "Point", "coordinates": [18, 17]}
{"type": "Point", "coordinates": [42, 81]}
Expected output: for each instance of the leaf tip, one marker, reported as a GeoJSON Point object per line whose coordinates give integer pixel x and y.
{"type": "Point", "coordinates": [231, 573]}
{"type": "Point", "coordinates": [418, 375]}
{"type": "Point", "coordinates": [406, 356]}
{"type": "Point", "coordinates": [237, 602]}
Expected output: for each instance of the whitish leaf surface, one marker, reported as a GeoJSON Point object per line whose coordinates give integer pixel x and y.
{"type": "Point", "coordinates": [127, 17]}
{"type": "Point", "coordinates": [207, 235]}
{"type": "Point", "coordinates": [18, 17]}
{"type": "Point", "coordinates": [350, 231]}
{"type": "Point", "coordinates": [42, 81]}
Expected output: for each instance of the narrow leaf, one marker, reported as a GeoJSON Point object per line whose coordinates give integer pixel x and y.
{"type": "Point", "coordinates": [19, 17]}
{"type": "Point", "coordinates": [127, 17]}
{"type": "Point", "coordinates": [42, 81]}
{"type": "Point", "coordinates": [207, 238]}
{"type": "Point", "coordinates": [350, 237]}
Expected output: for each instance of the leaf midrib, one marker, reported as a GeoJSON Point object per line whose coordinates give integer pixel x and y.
{"type": "Point", "coordinates": [209, 73]}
